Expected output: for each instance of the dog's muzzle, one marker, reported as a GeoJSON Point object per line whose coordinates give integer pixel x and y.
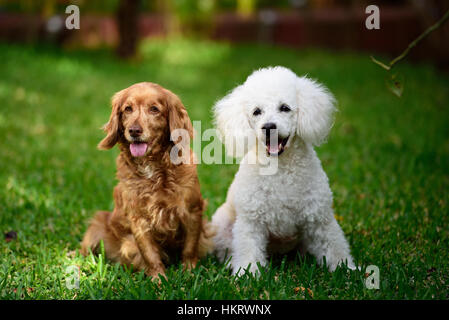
{"type": "Point", "coordinates": [275, 144]}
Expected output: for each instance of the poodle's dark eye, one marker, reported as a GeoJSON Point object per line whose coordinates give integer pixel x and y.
{"type": "Point", "coordinates": [284, 108]}
{"type": "Point", "coordinates": [257, 112]}
{"type": "Point", "coordinates": [129, 109]}
{"type": "Point", "coordinates": [154, 109]}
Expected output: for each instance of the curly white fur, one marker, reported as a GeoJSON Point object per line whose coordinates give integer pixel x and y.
{"type": "Point", "coordinates": [292, 208]}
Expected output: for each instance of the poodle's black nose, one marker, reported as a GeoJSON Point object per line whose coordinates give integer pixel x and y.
{"type": "Point", "coordinates": [269, 126]}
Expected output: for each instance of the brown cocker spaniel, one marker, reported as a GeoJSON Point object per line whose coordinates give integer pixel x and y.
{"type": "Point", "coordinates": [158, 204]}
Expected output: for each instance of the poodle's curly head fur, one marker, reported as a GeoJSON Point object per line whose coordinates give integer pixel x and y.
{"type": "Point", "coordinates": [274, 104]}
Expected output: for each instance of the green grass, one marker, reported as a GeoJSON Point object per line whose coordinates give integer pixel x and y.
{"type": "Point", "coordinates": [387, 160]}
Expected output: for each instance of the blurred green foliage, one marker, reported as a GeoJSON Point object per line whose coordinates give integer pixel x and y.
{"type": "Point", "coordinates": [181, 7]}
{"type": "Point", "coordinates": [49, 7]}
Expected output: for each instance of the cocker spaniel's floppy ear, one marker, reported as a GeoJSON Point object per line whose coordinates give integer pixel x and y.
{"type": "Point", "coordinates": [232, 123]}
{"type": "Point", "coordinates": [180, 128]}
{"type": "Point", "coordinates": [316, 107]}
{"type": "Point", "coordinates": [112, 126]}
{"type": "Point", "coordinates": [177, 115]}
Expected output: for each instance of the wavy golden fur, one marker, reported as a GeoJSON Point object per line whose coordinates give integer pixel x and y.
{"type": "Point", "coordinates": [158, 204]}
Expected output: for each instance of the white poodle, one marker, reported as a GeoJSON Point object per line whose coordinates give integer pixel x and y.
{"type": "Point", "coordinates": [292, 208]}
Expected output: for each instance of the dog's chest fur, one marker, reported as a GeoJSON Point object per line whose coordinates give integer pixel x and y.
{"type": "Point", "coordinates": [288, 199]}
{"type": "Point", "coordinates": [151, 194]}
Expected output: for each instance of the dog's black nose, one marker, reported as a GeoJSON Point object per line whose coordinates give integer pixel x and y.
{"type": "Point", "coordinates": [135, 131]}
{"type": "Point", "coordinates": [269, 126]}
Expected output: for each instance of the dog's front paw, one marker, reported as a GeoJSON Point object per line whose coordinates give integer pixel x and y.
{"type": "Point", "coordinates": [156, 274]}
{"type": "Point", "coordinates": [240, 271]}
{"type": "Point", "coordinates": [343, 263]}
{"type": "Point", "coordinates": [158, 278]}
{"type": "Point", "coordinates": [189, 263]}
{"type": "Point", "coordinates": [353, 267]}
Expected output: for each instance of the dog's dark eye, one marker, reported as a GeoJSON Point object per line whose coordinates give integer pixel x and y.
{"type": "Point", "coordinates": [129, 109]}
{"type": "Point", "coordinates": [154, 109]}
{"type": "Point", "coordinates": [257, 112]}
{"type": "Point", "coordinates": [284, 108]}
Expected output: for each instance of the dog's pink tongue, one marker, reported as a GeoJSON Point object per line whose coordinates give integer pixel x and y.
{"type": "Point", "coordinates": [138, 149]}
{"type": "Point", "coordinates": [273, 149]}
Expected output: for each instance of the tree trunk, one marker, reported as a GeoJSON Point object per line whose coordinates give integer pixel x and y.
{"type": "Point", "coordinates": [127, 21]}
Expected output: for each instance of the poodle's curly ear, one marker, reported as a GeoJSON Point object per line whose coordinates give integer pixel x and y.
{"type": "Point", "coordinates": [232, 124]}
{"type": "Point", "coordinates": [316, 107]}
{"type": "Point", "coordinates": [112, 126]}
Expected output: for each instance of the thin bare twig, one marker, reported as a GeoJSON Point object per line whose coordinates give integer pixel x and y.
{"type": "Point", "coordinates": [413, 44]}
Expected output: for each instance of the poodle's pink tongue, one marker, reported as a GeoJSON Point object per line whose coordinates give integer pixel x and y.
{"type": "Point", "coordinates": [138, 149]}
{"type": "Point", "coordinates": [273, 149]}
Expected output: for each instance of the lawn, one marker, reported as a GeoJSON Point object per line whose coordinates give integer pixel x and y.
{"type": "Point", "coordinates": [387, 160]}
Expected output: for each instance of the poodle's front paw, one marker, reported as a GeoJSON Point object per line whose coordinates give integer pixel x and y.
{"type": "Point", "coordinates": [238, 272]}
{"type": "Point", "coordinates": [353, 267]}
{"type": "Point", "coordinates": [347, 262]}
{"type": "Point", "coordinates": [251, 268]}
